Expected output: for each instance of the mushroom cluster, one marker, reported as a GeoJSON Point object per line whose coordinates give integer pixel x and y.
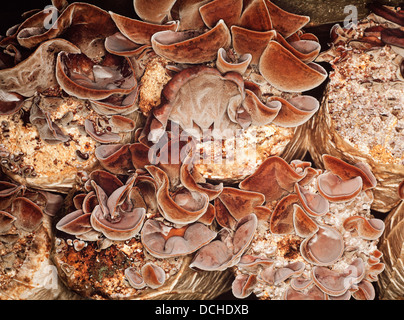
{"type": "Point", "coordinates": [361, 117]}
{"type": "Point", "coordinates": [130, 107]}
{"type": "Point", "coordinates": [295, 232]}
{"type": "Point", "coordinates": [255, 63]}
{"type": "Point", "coordinates": [63, 94]}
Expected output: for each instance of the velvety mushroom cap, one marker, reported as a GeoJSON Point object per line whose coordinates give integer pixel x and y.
{"type": "Point", "coordinates": [139, 31]}
{"type": "Point", "coordinates": [182, 207]}
{"type": "Point", "coordinates": [155, 11]}
{"type": "Point", "coordinates": [347, 171]}
{"type": "Point", "coordinates": [333, 188]}
{"type": "Point", "coordinates": [127, 227]}
{"type": "Point", "coordinates": [28, 215]}
{"type": "Point", "coordinates": [75, 223]}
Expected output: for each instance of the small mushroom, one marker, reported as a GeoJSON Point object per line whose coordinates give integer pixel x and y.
{"type": "Point", "coordinates": [116, 158]}
{"type": "Point", "coordinates": [314, 204]}
{"type": "Point", "coordinates": [127, 227]}
{"type": "Point", "coordinates": [304, 226]}
{"type": "Point", "coordinates": [155, 11]}
{"type": "Point", "coordinates": [138, 31]}
{"type": "Point", "coordinates": [28, 215]}
{"type": "Point", "coordinates": [163, 241]}
{"type": "Point", "coordinates": [226, 252]}
{"type": "Point", "coordinates": [324, 247]}
{"type": "Point", "coordinates": [282, 218]}
{"type": "Point", "coordinates": [274, 276]}
{"type": "Point", "coordinates": [347, 171]}
{"type": "Point", "coordinates": [228, 10]}
{"type": "Point", "coordinates": [6, 221]}
{"type": "Point", "coordinates": [224, 65]}
{"type": "Point", "coordinates": [75, 223]}
{"type": "Point", "coordinates": [243, 285]}
{"type": "Point", "coordinates": [336, 283]}
{"type": "Point", "coordinates": [274, 178]}
{"type": "Point", "coordinates": [284, 22]}
{"type": "Point", "coordinates": [153, 275]}
{"type": "Point", "coordinates": [240, 203]}
{"type": "Point", "coordinates": [134, 278]}
{"type": "Point", "coordinates": [10, 102]}
{"type": "Point", "coordinates": [368, 229]}
{"type": "Point", "coordinates": [81, 77]}
{"type": "Point", "coordinates": [184, 206]}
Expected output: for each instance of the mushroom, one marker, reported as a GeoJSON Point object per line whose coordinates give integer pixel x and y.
{"type": "Point", "coordinates": [110, 207]}
{"type": "Point", "coordinates": [324, 247]}
{"type": "Point", "coordinates": [226, 251]}
{"type": "Point", "coordinates": [82, 24]}
{"type": "Point", "coordinates": [163, 241]}
{"type": "Point", "coordinates": [37, 72]}
{"type": "Point", "coordinates": [369, 229]}
{"type": "Point", "coordinates": [79, 76]}
{"type": "Point", "coordinates": [333, 188]}
{"type": "Point", "coordinates": [184, 46]}
{"type": "Point", "coordinates": [181, 207]}
{"type": "Point", "coordinates": [243, 285]}
{"type": "Point", "coordinates": [277, 170]}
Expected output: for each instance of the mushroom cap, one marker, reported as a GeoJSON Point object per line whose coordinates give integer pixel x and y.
{"type": "Point", "coordinates": [81, 77]}
{"type": "Point", "coordinates": [184, 46]}
{"type": "Point", "coordinates": [162, 241]}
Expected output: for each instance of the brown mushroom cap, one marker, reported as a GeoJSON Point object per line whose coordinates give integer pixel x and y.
{"type": "Point", "coordinates": [184, 46]}
{"type": "Point", "coordinates": [162, 241]}
{"type": "Point", "coordinates": [81, 77]}
{"type": "Point", "coordinates": [333, 188]}
{"type": "Point", "coordinates": [37, 72]}
{"type": "Point", "coordinates": [28, 215]}
{"type": "Point", "coordinates": [139, 31]}
{"type": "Point", "coordinates": [324, 247]}
{"type": "Point", "coordinates": [273, 169]}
